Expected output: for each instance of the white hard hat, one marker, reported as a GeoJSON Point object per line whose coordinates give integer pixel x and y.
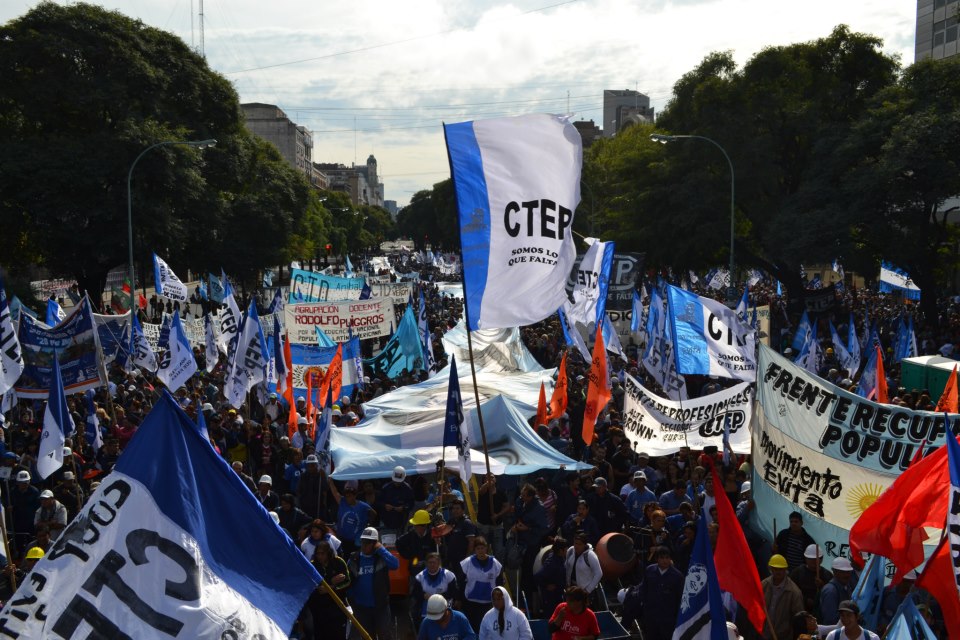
{"type": "Point", "coordinates": [265, 479]}
{"type": "Point", "coordinates": [745, 487]}
{"type": "Point", "coordinates": [436, 607]}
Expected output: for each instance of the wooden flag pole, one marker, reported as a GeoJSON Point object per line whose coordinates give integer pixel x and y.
{"type": "Point", "coordinates": [336, 599]}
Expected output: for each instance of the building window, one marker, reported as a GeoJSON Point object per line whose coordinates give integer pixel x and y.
{"type": "Point", "coordinates": [938, 4]}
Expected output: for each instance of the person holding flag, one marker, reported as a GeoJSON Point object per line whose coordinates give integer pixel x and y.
{"type": "Point", "coordinates": [57, 425]}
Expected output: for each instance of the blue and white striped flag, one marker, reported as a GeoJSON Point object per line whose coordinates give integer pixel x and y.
{"type": "Point", "coordinates": [55, 313]}
{"type": "Point", "coordinates": [177, 363]}
{"type": "Point", "coordinates": [591, 280]}
{"type": "Point", "coordinates": [171, 563]}
{"type": "Point", "coordinates": [57, 425]}
{"type": "Point", "coordinates": [709, 339]}
{"type": "Point", "coordinates": [249, 364]}
{"type": "Point", "coordinates": [276, 305]}
{"type": "Point", "coordinates": [517, 182]}
{"type": "Point", "coordinates": [803, 332]}
{"type": "Point", "coordinates": [166, 281]}
{"type": "Point", "coordinates": [701, 614]}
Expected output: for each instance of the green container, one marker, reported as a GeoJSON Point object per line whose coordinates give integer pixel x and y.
{"type": "Point", "coordinates": [926, 372]}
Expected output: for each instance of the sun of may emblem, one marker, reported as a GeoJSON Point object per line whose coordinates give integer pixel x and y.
{"type": "Point", "coordinates": [860, 497]}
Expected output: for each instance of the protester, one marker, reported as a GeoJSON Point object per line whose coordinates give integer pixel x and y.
{"type": "Point", "coordinates": [482, 573]}
{"type": "Point", "coordinates": [572, 619]}
{"type": "Point", "coordinates": [443, 623]}
{"type": "Point", "coordinates": [850, 624]}
{"type": "Point", "coordinates": [783, 599]}
{"type": "Point", "coordinates": [504, 621]}
{"type": "Point", "coordinates": [370, 588]}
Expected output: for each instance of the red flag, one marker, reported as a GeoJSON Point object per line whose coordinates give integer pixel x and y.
{"type": "Point", "coordinates": [893, 525]}
{"type": "Point", "coordinates": [598, 391]}
{"type": "Point", "coordinates": [333, 377]}
{"type": "Point", "coordinates": [948, 399]}
{"type": "Point", "coordinates": [558, 401]}
{"type": "Point", "coordinates": [940, 579]}
{"type": "Point", "coordinates": [541, 408]}
{"type": "Point", "coordinates": [881, 379]}
{"type": "Point", "coordinates": [736, 576]}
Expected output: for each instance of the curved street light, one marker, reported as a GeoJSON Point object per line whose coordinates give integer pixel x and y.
{"type": "Point", "coordinates": [664, 139]}
{"type": "Point", "coordinates": [202, 144]}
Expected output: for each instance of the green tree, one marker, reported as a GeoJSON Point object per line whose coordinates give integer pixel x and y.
{"type": "Point", "coordinates": [431, 217]}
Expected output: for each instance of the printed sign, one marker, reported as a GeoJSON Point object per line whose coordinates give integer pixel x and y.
{"type": "Point", "coordinates": [659, 426]}
{"type": "Point", "coordinates": [399, 292]}
{"type": "Point", "coordinates": [366, 318]}
{"type": "Point", "coordinates": [311, 286]}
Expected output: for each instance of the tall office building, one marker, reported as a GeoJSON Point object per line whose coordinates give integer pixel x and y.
{"type": "Point", "coordinates": [937, 34]}
{"type": "Point", "coordinates": [624, 107]}
{"type": "Point", "coordinates": [295, 143]}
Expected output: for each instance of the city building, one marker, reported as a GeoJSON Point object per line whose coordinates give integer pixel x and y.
{"type": "Point", "coordinates": [361, 183]}
{"type": "Point", "coordinates": [937, 34]}
{"type": "Point", "coordinates": [589, 131]}
{"type": "Point", "coordinates": [295, 143]}
{"type": "Point", "coordinates": [391, 207]}
{"type": "Point", "coordinates": [624, 108]}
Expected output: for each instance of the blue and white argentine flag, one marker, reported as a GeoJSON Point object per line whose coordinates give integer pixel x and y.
{"type": "Point", "coordinates": [709, 339]}
{"type": "Point", "coordinates": [166, 281]}
{"type": "Point", "coordinates": [57, 425]}
{"type": "Point", "coordinates": [701, 614]}
{"type": "Point", "coordinates": [171, 545]}
{"type": "Point", "coordinates": [517, 182]}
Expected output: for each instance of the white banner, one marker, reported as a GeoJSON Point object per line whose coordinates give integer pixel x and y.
{"type": "Point", "coordinates": [517, 182]}
{"type": "Point", "coordinates": [366, 318]}
{"type": "Point", "coordinates": [659, 426]}
{"type": "Point", "coordinates": [588, 283]}
{"type": "Point", "coordinates": [398, 292]}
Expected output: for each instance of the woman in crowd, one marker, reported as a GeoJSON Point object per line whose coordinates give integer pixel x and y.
{"type": "Point", "coordinates": [482, 573]}
{"type": "Point", "coordinates": [433, 579]}
{"type": "Point", "coordinates": [582, 566]}
{"type": "Point", "coordinates": [504, 621]}
{"type": "Point", "coordinates": [324, 618]}
{"type": "Point", "coordinates": [319, 532]}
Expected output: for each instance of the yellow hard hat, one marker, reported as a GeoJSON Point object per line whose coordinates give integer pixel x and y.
{"type": "Point", "coordinates": [777, 561]}
{"type": "Point", "coordinates": [35, 553]}
{"type": "Point", "coordinates": [421, 517]}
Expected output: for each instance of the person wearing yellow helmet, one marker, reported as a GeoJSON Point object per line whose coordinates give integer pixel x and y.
{"type": "Point", "coordinates": [416, 543]}
{"type": "Point", "coordinates": [784, 599]}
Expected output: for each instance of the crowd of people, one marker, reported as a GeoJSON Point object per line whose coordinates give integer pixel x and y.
{"type": "Point", "coordinates": [531, 551]}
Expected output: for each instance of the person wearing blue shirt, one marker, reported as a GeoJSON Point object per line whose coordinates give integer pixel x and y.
{"type": "Point", "coordinates": [352, 515]}
{"type": "Point", "coordinates": [639, 497]}
{"type": "Point", "coordinates": [670, 501]}
{"type": "Point", "coordinates": [370, 569]}
{"type": "Point", "coordinates": [440, 622]}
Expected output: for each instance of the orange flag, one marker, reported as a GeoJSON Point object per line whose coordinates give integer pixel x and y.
{"type": "Point", "coordinates": [288, 389]}
{"type": "Point", "coordinates": [881, 379]}
{"type": "Point", "coordinates": [334, 377]}
{"type": "Point", "coordinates": [558, 401]}
{"type": "Point", "coordinates": [948, 399]}
{"type": "Point", "coordinates": [598, 391]}
{"type": "Point", "coordinates": [309, 377]}
{"type": "Point", "coordinates": [541, 408]}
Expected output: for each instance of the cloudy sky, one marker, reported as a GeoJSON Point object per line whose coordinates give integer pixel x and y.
{"type": "Point", "coordinates": [380, 76]}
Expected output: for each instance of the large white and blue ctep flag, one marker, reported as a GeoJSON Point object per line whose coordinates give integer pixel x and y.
{"type": "Point", "coordinates": [11, 356]}
{"type": "Point", "coordinates": [177, 363]}
{"type": "Point", "coordinates": [517, 182]}
{"type": "Point", "coordinates": [171, 545]}
{"type": "Point", "coordinates": [701, 615]}
{"type": "Point", "coordinates": [249, 365]}
{"type": "Point", "coordinates": [709, 339]}
{"type": "Point", "coordinates": [590, 281]}
{"type": "Point", "coordinates": [229, 321]}
{"type": "Point", "coordinates": [57, 425]}
{"type": "Point", "coordinates": [166, 281]}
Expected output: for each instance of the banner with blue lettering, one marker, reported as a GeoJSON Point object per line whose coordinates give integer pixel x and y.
{"type": "Point", "coordinates": [311, 286]}
{"type": "Point", "coordinates": [149, 557]}
{"type": "Point", "coordinates": [517, 182]}
{"type": "Point", "coordinates": [825, 452]}
{"type": "Point", "coordinates": [76, 342]}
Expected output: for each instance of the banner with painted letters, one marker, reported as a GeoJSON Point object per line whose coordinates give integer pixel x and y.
{"type": "Point", "coordinates": [76, 344]}
{"type": "Point", "coordinates": [588, 283]}
{"type": "Point", "coordinates": [151, 558]}
{"type": "Point", "coordinates": [166, 281]}
{"type": "Point", "coordinates": [660, 426]}
{"type": "Point", "coordinates": [517, 182]}
{"type": "Point", "coordinates": [367, 318]}
{"type": "Point", "coordinates": [398, 292]}
{"type": "Point", "coordinates": [825, 452]}
{"type": "Point", "coordinates": [311, 286]}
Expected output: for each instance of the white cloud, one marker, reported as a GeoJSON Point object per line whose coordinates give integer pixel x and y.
{"type": "Point", "coordinates": [463, 59]}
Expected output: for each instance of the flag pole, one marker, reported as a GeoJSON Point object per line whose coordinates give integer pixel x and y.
{"type": "Point", "coordinates": [336, 599]}
{"type": "Point", "coordinates": [6, 548]}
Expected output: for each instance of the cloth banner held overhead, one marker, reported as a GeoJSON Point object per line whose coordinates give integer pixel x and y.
{"type": "Point", "coordinates": [659, 426]}
{"type": "Point", "coordinates": [315, 360]}
{"type": "Point", "coordinates": [825, 452]}
{"type": "Point", "coordinates": [76, 341]}
{"type": "Point", "coordinates": [398, 292]}
{"type": "Point", "coordinates": [589, 282]}
{"type": "Point", "coordinates": [166, 281]}
{"type": "Point", "coordinates": [311, 286]}
{"type": "Point", "coordinates": [517, 182]}
{"type": "Point", "coordinates": [367, 319]}
{"type": "Point", "coordinates": [166, 560]}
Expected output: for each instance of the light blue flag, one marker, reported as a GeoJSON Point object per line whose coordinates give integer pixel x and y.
{"type": "Point", "coordinates": [908, 624]}
{"type": "Point", "coordinates": [202, 288]}
{"type": "Point", "coordinates": [840, 348]}
{"type": "Point", "coordinates": [779, 289]}
{"type": "Point", "coordinates": [403, 350]}
{"type": "Point", "coordinates": [348, 264]}
{"type": "Point", "coordinates": [868, 592]}
{"type": "Point", "coordinates": [853, 347]}
{"type": "Point", "coordinates": [572, 337]}
{"type": "Point", "coordinates": [202, 426]}
{"type": "Point", "coordinates": [809, 356]}
{"type": "Point", "coordinates": [655, 320]}
{"type": "Point", "coordinates": [906, 345]}
{"type": "Point", "coordinates": [803, 332]}
{"type": "Point", "coordinates": [701, 614]}
{"type": "Point", "coordinates": [867, 387]}
{"type": "Point", "coordinates": [637, 314]}
{"type": "Point", "coordinates": [55, 313]}
{"type": "Point", "coordinates": [57, 425]}
{"type": "Point", "coordinates": [323, 339]}
{"type": "Point", "coordinates": [216, 288]}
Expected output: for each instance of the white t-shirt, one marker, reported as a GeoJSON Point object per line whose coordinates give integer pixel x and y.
{"type": "Point", "coordinates": [840, 634]}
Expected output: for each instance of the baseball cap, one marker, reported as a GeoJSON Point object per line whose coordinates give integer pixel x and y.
{"type": "Point", "coordinates": [849, 605]}
{"type": "Point", "coordinates": [812, 551]}
{"type": "Point", "coordinates": [46, 493]}
{"type": "Point", "coordinates": [370, 534]}
{"type": "Point", "coordinates": [23, 476]}
{"type": "Point", "coordinates": [312, 459]}
{"type": "Point", "coordinates": [265, 479]}
{"type": "Point", "coordinates": [436, 607]}
{"type": "Point", "coordinates": [399, 474]}
{"type": "Point", "coordinates": [67, 451]}
{"type": "Point", "coordinates": [841, 564]}
{"type": "Point", "coordinates": [639, 475]}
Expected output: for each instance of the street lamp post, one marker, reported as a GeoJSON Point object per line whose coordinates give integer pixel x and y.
{"type": "Point", "coordinates": [203, 144]}
{"type": "Point", "coordinates": [664, 139]}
